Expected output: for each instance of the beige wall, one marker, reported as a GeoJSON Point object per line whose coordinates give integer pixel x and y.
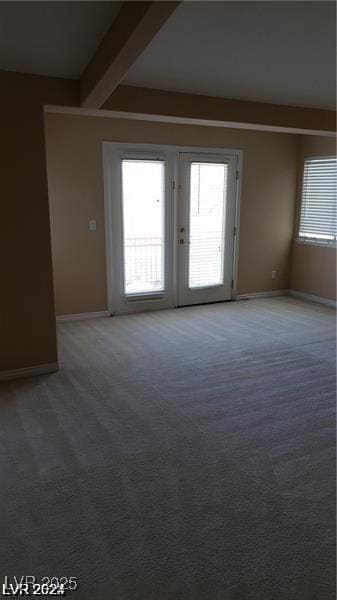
{"type": "Point", "coordinates": [74, 158]}
{"type": "Point", "coordinates": [27, 321]}
{"type": "Point", "coordinates": [196, 106]}
{"type": "Point", "coordinates": [313, 267]}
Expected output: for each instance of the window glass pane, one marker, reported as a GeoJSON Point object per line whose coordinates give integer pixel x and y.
{"type": "Point", "coordinates": [319, 202]}
{"type": "Point", "coordinates": [143, 224]}
{"type": "Point", "coordinates": [208, 188]}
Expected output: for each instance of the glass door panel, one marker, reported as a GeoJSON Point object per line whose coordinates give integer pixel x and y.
{"type": "Point", "coordinates": [143, 199]}
{"type": "Point", "coordinates": [208, 190]}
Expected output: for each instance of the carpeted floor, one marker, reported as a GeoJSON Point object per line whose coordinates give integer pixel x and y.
{"type": "Point", "coordinates": [182, 454]}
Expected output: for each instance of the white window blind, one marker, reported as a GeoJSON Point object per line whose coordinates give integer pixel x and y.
{"type": "Point", "coordinates": [318, 220]}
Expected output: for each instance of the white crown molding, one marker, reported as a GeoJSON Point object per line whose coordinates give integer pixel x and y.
{"type": "Point", "coordinates": [28, 371]}
{"type": "Point", "coordinates": [83, 316]}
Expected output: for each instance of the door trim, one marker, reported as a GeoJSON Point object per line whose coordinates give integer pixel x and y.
{"type": "Point", "coordinates": [109, 149]}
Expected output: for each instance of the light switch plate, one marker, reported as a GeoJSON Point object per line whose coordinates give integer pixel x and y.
{"type": "Point", "coordinates": [92, 225]}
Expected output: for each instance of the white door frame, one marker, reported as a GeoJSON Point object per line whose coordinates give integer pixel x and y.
{"type": "Point", "coordinates": [112, 153]}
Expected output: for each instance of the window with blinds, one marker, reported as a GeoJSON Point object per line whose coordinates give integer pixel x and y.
{"type": "Point", "coordinates": [318, 219]}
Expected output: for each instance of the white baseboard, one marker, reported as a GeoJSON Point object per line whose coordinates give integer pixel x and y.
{"type": "Point", "coordinates": [29, 371]}
{"type": "Point", "coordinates": [81, 316]}
{"type": "Point", "coordinates": [263, 294]}
{"type": "Point", "coordinates": [313, 298]}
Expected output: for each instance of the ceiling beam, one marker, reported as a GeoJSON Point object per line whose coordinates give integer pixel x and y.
{"type": "Point", "coordinates": [133, 29]}
{"type": "Point", "coordinates": [178, 105]}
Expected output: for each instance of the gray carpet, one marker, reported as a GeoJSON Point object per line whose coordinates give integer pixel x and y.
{"type": "Point", "coordinates": [182, 454]}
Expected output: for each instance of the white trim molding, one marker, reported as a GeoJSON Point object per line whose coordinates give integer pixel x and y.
{"type": "Point", "coordinates": [83, 316]}
{"type": "Point", "coordinates": [136, 116]}
{"type": "Point", "coordinates": [269, 294]}
{"type": "Point", "coordinates": [29, 371]}
{"type": "Point", "coordinates": [313, 298]}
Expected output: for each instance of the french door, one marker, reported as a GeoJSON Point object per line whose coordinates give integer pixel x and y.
{"type": "Point", "coordinates": [206, 208]}
{"type": "Point", "coordinates": [170, 219]}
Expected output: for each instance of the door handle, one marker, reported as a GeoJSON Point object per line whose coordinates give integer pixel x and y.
{"type": "Point", "coordinates": [182, 242]}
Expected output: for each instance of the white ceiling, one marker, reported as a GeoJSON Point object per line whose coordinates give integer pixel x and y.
{"type": "Point", "coordinates": [281, 52]}
{"type": "Point", "coordinates": [52, 38]}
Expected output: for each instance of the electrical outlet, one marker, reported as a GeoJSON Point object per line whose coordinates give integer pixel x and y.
{"type": "Point", "coordinates": [92, 225]}
{"type": "Point", "coordinates": [273, 274]}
